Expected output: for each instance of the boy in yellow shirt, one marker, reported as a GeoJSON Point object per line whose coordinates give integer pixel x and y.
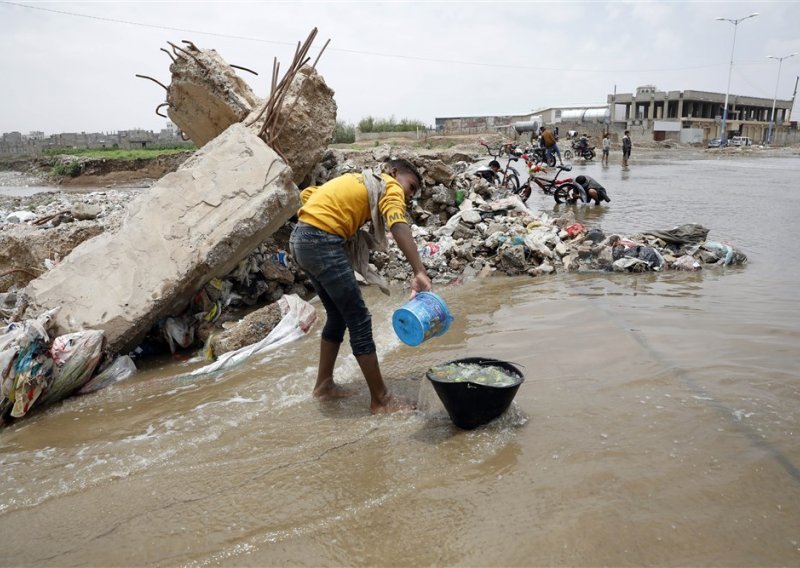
{"type": "Point", "coordinates": [332, 214]}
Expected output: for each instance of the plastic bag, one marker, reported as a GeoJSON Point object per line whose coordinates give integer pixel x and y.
{"type": "Point", "coordinates": [686, 262]}
{"type": "Point", "coordinates": [575, 229]}
{"type": "Point", "coordinates": [179, 330]}
{"type": "Point", "coordinates": [75, 357]}
{"type": "Point", "coordinates": [122, 368]}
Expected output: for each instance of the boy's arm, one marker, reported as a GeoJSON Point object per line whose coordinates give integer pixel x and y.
{"type": "Point", "coordinates": [402, 236]}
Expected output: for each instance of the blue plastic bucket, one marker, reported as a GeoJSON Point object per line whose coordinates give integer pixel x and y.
{"type": "Point", "coordinates": [425, 316]}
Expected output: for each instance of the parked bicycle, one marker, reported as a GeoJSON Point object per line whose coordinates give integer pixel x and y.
{"type": "Point", "coordinates": [560, 189]}
{"type": "Point", "coordinates": [506, 177]}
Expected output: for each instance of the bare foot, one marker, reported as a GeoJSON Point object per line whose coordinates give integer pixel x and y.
{"type": "Point", "coordinates": [330, 389]}
{"type": "Point", "coordinates": [391, 403]}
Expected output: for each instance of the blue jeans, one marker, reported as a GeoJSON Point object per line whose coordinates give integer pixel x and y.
{"type": "Point", "coordinates": [321, 256]}
{"type": "Point", "coordinates": [554, 150]}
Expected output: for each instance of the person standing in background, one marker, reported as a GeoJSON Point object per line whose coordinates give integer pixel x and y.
{"type": "Point", "coordinates": [549, 140]}
{"type": "Point", "coordinates": [626, 148]}
{"type": "Point", "coordinates": [606, 148]}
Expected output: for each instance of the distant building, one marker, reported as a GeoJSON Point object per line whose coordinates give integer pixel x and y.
{"type": "Point", "coordinates": [650, 115]}
{"type": "Point", "coordinates": [696, 116]}
{"type": "Point", "coordinates": [14, 143]}
{"type": "Point", "coordinates": [479, 124]}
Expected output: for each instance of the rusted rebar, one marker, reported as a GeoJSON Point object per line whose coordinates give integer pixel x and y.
{"type": "Point", "coordinates": [168, 53]}
{"type": "Point", "coordinates": [279, 90]}
{"type": "Point", "coordinates": [159, 107]}
{"type": "Point", "coordinates": [300, 90]}
{"type": "Point", "coordinates": [46, 218]}
{"type": "Point", "coordinates": [190, 44]}
{"type": "Point", "coordinates": [156, 81]}
{"type": "Point", "coordinates": [243, 69]}
{"type": "Point", "coordinates": [177, 48]}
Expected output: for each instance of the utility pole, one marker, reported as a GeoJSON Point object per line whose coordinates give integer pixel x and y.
{"type": "Point", "coordinates": [775, 98]}
{"type": "Point", "coordinates": [724, 137]}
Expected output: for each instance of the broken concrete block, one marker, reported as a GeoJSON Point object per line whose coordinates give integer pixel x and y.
{"type": "Point", "coordinates": [85, 211]}
{"type": "Point", "coordinates": [194, 225]}
{"type": "Point", "coordinates": [471, 217]}
{"type": "Point", "coordinates": [206, 95]}
{"type": "Point", "coordinates": [439, 172]}
{"type": "Point", "coordinates": [251, 329]}
{"type": "Point", "coordinates": [382, 153]}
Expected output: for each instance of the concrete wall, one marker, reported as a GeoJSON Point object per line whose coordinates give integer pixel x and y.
{"type": "Point", "coordinates": [692, 136]}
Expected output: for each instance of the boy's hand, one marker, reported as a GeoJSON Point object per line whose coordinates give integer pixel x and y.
{"type": "Point", "coordinates": [420, 283]}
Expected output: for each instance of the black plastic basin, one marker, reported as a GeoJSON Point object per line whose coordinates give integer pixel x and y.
{"type": "Point", "coordinates": [471, 404]}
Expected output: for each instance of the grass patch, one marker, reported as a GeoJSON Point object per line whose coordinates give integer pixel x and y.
{"type": "Point", "coordinates": [117, 153]}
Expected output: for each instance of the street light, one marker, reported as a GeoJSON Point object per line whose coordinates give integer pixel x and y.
{"type": "Point", "coordinates": [724, 137]}
{"type": "Point", "coordinates": [775, 98]}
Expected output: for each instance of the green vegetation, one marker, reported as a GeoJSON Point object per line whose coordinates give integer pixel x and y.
{"type": "Point", "coordinates": [118, 154]}
{"type": "Point", "coordinates": [63, 169]}
{"type": "Point", "coordinates": [372, 124]}
{"type": "Point", "coordinates": [345, 133]}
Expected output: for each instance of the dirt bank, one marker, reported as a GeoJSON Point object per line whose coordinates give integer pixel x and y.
{"type": "Point", "coordinates": [97, 172]}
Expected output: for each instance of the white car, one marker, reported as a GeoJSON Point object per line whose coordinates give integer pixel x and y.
{"type": "Point", "coordinates": [740, 141]}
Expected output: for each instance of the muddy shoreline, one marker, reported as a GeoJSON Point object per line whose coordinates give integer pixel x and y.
{"type": "Point", "coordinates": [104, 173]}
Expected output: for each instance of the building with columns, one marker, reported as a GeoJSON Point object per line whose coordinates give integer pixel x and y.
{"type": "Point", "coordinates": [696, 116]}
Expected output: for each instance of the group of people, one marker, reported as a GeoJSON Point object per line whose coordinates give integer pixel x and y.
{"type": "Point", "coordinates": [549, 141]}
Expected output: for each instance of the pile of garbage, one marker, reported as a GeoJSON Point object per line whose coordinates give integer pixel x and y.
{"type": "Point", "coordinates": [35, 372]}
{"type": "Point", "coordinates": [465, 227]}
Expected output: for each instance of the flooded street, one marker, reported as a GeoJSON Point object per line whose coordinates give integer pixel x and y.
{"type": "Point", "coordinates": [658, 423]}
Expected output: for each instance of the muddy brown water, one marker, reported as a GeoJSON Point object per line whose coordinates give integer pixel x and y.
{"type": "Point", "coordinates": [658, 423]}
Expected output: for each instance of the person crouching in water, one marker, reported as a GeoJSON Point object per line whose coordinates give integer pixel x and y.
{"type": "Point", "coordinates": [324, 241]}
{"type": "Point", "coordinates": [592, 190]}
{"type": "Point", "coordinates": [490, 172]}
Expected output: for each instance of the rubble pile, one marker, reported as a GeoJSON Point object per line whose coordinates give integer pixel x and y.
{"type": "Point", "coordinates": [36, 232]}
{"type": "Point", "coordinates": [466, 227]}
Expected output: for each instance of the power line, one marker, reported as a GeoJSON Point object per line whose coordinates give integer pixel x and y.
{"type": "Point", "coordinates": [355, 51]}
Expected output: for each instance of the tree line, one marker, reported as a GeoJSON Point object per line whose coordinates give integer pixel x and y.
{"type": "Point", "coordinates": [346, 132]}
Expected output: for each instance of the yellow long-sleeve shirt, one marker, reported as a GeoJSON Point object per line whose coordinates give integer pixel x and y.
{"type": "Point", "coordinates": [341, 205]}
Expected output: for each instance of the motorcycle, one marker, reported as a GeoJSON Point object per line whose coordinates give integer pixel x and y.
{"type": "Point", "coordinates": [586, 152]}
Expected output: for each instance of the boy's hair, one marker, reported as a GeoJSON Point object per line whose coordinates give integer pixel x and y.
{"type": "Point", "coordinates": [403, 166]}
{"type": "Point", "coordinates": [627, 132]}
{"type": "Point", "coordinates": [494, 164]}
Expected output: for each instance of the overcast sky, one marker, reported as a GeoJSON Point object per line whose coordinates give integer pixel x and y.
{"type": "Point", "coordinates": [70, 66]}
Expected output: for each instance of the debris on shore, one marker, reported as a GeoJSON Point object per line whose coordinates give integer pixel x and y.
{"type": "Point", "coordinates": [199, 261]}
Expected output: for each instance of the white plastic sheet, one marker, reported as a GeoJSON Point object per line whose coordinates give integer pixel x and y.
{"type": "Point", "coordinates": [298, 318]}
